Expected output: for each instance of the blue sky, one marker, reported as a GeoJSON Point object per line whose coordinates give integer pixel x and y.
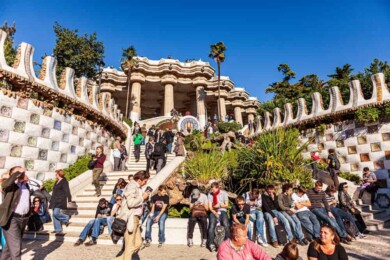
{"type": "Point", "coordinates": [311, 36]}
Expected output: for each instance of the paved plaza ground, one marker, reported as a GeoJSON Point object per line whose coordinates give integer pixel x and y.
{"type": "Point", "coordinates": [375, 247]}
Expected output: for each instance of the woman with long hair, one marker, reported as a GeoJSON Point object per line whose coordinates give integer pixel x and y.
{"type": "Point", "coordinates": [327, 246]}
{"type": "Point", "coordinates": [118, 189]}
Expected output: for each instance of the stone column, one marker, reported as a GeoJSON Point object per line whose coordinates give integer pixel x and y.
{"type": "Point", "coordinates": [168, 99]}
{"type": "Point", "coordinates": [238, 115]}
{"type": "Point", "coordinates": [168, 82]}
{"type": "Point", "coordinates": [200, 106]}
{"type": "Point", "coordinates": [222, 106]}
{"type": "Point", "coordinates": [251, 117]}
{"type": "Point", "coordinates": [135, 101]}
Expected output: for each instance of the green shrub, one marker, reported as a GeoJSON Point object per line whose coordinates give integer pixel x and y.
{"type": "Point", "coordinates": [179, 211]}
{"type": "Point", "coordinates": [274, 157]}
{"type": "Point", "coordinates": [206, 166]}
{"type": "Point", "coordinates": [367, 114]}
{"type": "Point", "coordinates": [128, 121]}
{"type": "Point", "coordinates": [225, 127]}
{"type": "Point", "coordinates": [78, 167]}
{"type": "Point", "coordinates": [48, 184]}
{"type": "Point", "coordinates": [350, 177]}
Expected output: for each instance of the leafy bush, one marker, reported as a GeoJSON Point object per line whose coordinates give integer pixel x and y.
{"type": "Point", "coordinates": [350, 177]}
{"type": "Point", "coordinates": [321, 129]}
{"type": "Point", "coordinates": [225, 127]}
{"type": "Point", "coordinates": [274, 157]}
{"type": "Point", "coordinates": [367, 114]}
{"type": "Point", "coordinates": [78, 167]}
{"type": "Point", "coordinates": [206, 166]}
{"type": "Point", "coordinates": [194, 141]}
{"type": "Point", "coordinates": [178, 211]}
{"type": "Point", "coordinates": [385, 111]}
{"type": "Point", "coordinates": [49, 184]}
{"type": "Point", "coordinates": [128, 121]}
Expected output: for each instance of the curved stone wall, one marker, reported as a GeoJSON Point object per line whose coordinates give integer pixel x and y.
{"type": "Point", "coordinates": [380, 95]}
{"type": "Point", "coordinates": [45, 124]}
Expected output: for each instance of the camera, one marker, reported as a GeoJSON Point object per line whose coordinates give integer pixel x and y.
{"type": "Point", "coordinates": [149, 189]}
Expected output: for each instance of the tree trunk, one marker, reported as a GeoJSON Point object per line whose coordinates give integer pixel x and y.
{"type": "Point", "coordinates": [219, 92]}
{"type": "Point", "coordinates": [128, 92]}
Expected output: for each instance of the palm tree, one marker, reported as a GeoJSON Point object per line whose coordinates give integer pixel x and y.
{"type": "Point", "coordinates": [128, 61]}
{"type": "Point", "coordinates": [217, 53]}
{"type": "Point", "coordinates": [342, 73]}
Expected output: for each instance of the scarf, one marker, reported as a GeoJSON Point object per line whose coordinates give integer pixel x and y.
{"type": "Point", "coordinates": [215, 197]}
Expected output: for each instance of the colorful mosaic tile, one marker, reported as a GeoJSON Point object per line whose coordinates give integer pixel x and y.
{"type": "Point", "coordinates": [376, 147]}
{"type": "Point", "coordinates": [352, 150]}
{"type": "Point", "coordinates": [19, 126]}
{"type": "Point", "coordinates": [362, 139]}
{"type": "Point", "coordinates": [45, 132]}
{"type": "Point", "coordinates": [6, 111]}
{"type": "Point", "coordinates": [34, 119]}
{"type": "Point", "coordinates": [32, 141]}
{"type": "Point", "coordinates": [42, 155]}
{"type": "Point", "coordinates": [4, 135]}
{"type": "Point", "coordinates": [16, 151]}
{"type": "Point", "coordinates": [364, 157]}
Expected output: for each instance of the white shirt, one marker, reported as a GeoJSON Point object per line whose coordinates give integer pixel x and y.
{"type": "Point", "coordinates": [23, 206]}
{"type": "Point", "coordinates": [296, 198]}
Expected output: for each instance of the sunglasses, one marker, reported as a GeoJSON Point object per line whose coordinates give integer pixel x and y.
{"type": "Point", "coordinates": [37, 201]}
{"type": "Point", "coordinates": [240, 204]}
{"type": "Point", "coordinates": [119, 200]}
{"type": "Point", "coordinates": [345, 187]}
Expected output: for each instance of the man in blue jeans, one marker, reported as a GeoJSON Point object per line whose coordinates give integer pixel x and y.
{"type": "Point", "coordinates": [320, 207]}
{"type": "Point", "coordinates": [103, 211]}
{"type": "Point", "coordinates": [253, 199]}
{"type": "Point", "coordinates": [287, 208]}
{"type": "Point", "coordinates": [307, 218]}
{"type": "Point", "coordinates": [218, 204]}
{"type": "Point", "coordinates": [273, 216]}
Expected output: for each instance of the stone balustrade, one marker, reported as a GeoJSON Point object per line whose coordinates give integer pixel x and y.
{"type": "Point", "coordinates": [81, 95]}
{"type": "Point", "coordinates": [380, 95]}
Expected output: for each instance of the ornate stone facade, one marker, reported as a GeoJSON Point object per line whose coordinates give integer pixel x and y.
{"type": "Point", "coordinates": [189, 87]}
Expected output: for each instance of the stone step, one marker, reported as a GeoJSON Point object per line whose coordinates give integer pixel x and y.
{"type": "Point", "coordinates": [175, 233]}
{"type": "Point", "coordinates": [378, 224]}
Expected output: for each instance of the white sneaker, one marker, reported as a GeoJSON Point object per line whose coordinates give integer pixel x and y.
{"type": "Point", "coordinates": [261, 242]}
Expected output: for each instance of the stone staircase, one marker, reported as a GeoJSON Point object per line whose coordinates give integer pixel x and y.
{"type": "Point", "coordinates": [87, 201]}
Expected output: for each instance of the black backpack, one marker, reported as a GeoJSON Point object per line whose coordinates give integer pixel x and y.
{"type": "Point", "coordinates": [219, 237]}
{"type": "Point", "coordinates": [159, 149]}
{"type": "Point", "coordinates": [334, 162]}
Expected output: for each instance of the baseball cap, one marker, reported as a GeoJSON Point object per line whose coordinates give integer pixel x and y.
{"type": "Point", "coordinates": [195, 193]}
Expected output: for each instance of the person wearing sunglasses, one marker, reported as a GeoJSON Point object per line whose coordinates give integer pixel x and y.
{"type": "Point", "coordinates": [103, 211]}
{"type": "Point", "coordinates": [116, 209]}
{"type": "Point", "coordinates": [14, 212]}
{"type": "Point", "coordinates": [34, 222]}
{"type": "Point", "coordinates": [240, 214]}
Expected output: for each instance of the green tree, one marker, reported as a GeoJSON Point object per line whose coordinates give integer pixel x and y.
{"type": "Point", "coordinates": [217, 53]}
{"type": "Point", "coordinates": [286, 92]}
{"type": "Point", "coordinates": [341, 78]}
{"type": "Point", "coordinates": [128, 62]}
{"type": "Point", "coordinates": [9, 49]}
{"type": "Point", "coordinates": [376, 66]}
{"type": "Point", "coordinates": [83, 53]}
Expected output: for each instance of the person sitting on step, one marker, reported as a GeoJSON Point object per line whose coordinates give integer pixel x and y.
{"type": "Point", "coordinates": [103, 211]}
{"type": "Point", "coordinates": [273, 216]}
{"type": "Point", "coordinates": [320, 207]}
{"type": "Point", "coordinates": [287, 208]}
{"type": "Point", "coordinates": [369, 184]}
{"type": "Point", "coordinates": [253, 199]}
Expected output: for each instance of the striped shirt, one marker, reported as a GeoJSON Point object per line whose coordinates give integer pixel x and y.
{"type": "Point", "coordinates": [318, 199]}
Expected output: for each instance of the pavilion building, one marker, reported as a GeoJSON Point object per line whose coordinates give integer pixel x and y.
{"type": "Point", "coordinates": [158, 86]}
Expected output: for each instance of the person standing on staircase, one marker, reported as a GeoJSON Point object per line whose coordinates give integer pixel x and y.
{"type": "Point", "coordinates": [144, 131]}
{"type": "Point", "coordinates": [169, 136]}
{"type": "Point", "coordinates": [100, 158]}
{"type": "Point", "coordinates": [117, 154]}
{"type": "Point", "coordinates": [137, 140]}
{"type": "Point", "coordinates": [160, 148]}
{"type": "Point", "coordinates": [131, 211]}
{"type": "Point", "coordinates": [14, 212]}
{"type": "Point", "coordinates": [334, 166]}
{"type": "Point", "coordinates": [149, 148]}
